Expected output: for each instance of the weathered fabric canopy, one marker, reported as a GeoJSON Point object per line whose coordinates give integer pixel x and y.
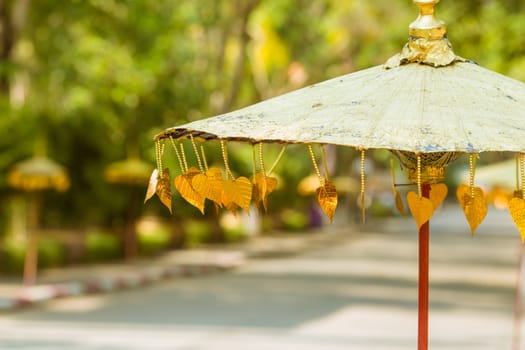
{"type": "Point", "coordinates": [413, 107]}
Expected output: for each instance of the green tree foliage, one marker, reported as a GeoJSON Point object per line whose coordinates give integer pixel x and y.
{"type": "Point", "coordinates": [98, 78]}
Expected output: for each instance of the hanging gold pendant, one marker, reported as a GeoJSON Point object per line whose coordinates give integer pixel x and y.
{"type": "Point", "coordinates": [474, 205]}
{"type": "Point", "coordinates": [183, 184]}
{"type": "Point", "coordinates": [160, 185]}
{"type": "Point", "coordinates": [209, 185]}
{"type": "Point", "coordinates": [326, 193]}
{"type": "Point", "coordinates": [517, 203]}
{"type": "Point", "coordinates": [237, 193]}
{"type": "Point", "coordinates": [327, 198]}
{"type": "Point", "coordinates": [263, 185]}
{"type": "Point", "coordinates": [421, 208]}
{"type": "Point", "coordinates": [472, 199]}
{"type": "Point", "coordinates": [159, 181]}
{"type": "Point", "coordinates": [399, 202]}
{"type": "Point", "coordinates": [163, 188]}
{"type": "Point", "coordinates": [438, 193]}
{"type": "Point", "coordinates": [517, 211]}
{"type": "Point", "coordinates": [152, 185]}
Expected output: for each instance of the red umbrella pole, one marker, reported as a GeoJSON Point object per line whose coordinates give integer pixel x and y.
{"type": "Point", "coordinates": [422, 339]}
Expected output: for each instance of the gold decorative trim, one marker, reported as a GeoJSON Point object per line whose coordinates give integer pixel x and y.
{"type": "Point", "coordinates": [429, 175]}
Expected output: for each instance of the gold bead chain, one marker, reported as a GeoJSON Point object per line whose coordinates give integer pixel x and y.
{"type": "Point", "coordinates": [183, 153]}
{"type": "Point", "coordinates": [363, 184]}
{"type": "Point", "coordinates": [261, 159]}
{"type": "Point", "coordinates": [199, 162]}
{"type": "Point", "coordinates": [522, 174]}
{"type": "Point", "coordinates": [177, 153]}
{"type": "Point", "coordinates": [159, 151]}
{"type": "Point", "coordinates": [316, 167]}
{"type": "Point", "coordinates": [204, 158]}
{"type": "Point", "coordinates": [225, 159]}
{"type": "Point", "coordinates": [472, 167]}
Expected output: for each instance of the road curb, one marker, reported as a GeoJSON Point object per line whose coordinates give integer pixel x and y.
{"type": "Point", "coordinates": [34, 295]}
{"type": "Point", "coordinates": [196, 263]}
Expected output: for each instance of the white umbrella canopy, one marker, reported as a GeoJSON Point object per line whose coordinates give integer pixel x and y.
{"type": "Point", "coordinates": [461, 107]}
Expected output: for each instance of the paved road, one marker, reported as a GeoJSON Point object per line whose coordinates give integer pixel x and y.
{"type": "Point", "coordinates": [359, 294]}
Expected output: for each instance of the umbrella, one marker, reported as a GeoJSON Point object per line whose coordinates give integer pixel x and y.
{"type": "Point", "coordinates": [35, 175]}
{"type": "Point", "coordinates": [425, 104]}
{"type": "Point", "coordinates": [132, 172]}
{"type": "Point", "coordinates": [38, 173]}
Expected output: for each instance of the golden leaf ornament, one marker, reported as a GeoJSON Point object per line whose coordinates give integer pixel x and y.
{"type": "Point", "coordinates": [438, 193]}
{"type": "Point", "coordinates": [327, 198]}
{"type": "Point", "coordinates": [474, 205]}
{"type": "Point", "coordinates": [183, 185]}
{"type": "Point", "coordinates": [262, 187]}
{"type": "Point", "coordinates": [517, 211]}
{"type": "Point", "coordinates": [399, 203]}
{"type": "Point", "coordinates": [461, 191]}
{"type": "Point", "coordinates": [163, 188]}
{"type": "Point", "coordinates": [152, 185]}
{"type": "Point", "coordinates": [209, 185]}
{"type": "Point", "coordinates": [238, 192]}
{"type": "Point", "coordinates": [421, 208]}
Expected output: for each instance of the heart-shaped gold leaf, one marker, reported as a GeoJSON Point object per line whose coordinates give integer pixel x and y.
{"type": "Point", "coordinates": [152, 185]}
{"type": "Point", "coordinates": [517, 211]}
{"type": "Point", "coordinates": [238, 191]}
{"type": "Point", "coordinates": [163, 188]}
{"type": "Point", "coordinates": [183, 185]}
{"type": "Point", "coordinates": [474, 205]}
{"type": "Point", "coordinates": [438, 193]}
{"type": "Point", "coordinates": [209, 185]}
{"type": "Point", "coordinates": [262, 187]}
{"type": "Point", "coordinates": [421, 208]}
{"type": "Point", "coordinates": [461, 191]}
{"type": "Point", "coordinates": [327, 198]}
{"type": "Point", "coordinates": [399, 203]}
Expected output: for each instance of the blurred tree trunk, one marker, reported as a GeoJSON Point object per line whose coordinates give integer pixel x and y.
{"type": "Point", "coordinates": [6, 44]}
{"type": "Point", "coordinates": [13, 14]}
{"type": "Point", "coordinates": [246, 8]}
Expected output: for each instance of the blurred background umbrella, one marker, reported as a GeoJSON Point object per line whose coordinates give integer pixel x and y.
{"type": "Point", "coordinates": [33, 176]}
{"type": "Point", "coordinates": [133, 173]}
{"type": "Point", "coordinates": [38, 173]}
{"type": "Point", "coordinates": [426, 105]}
